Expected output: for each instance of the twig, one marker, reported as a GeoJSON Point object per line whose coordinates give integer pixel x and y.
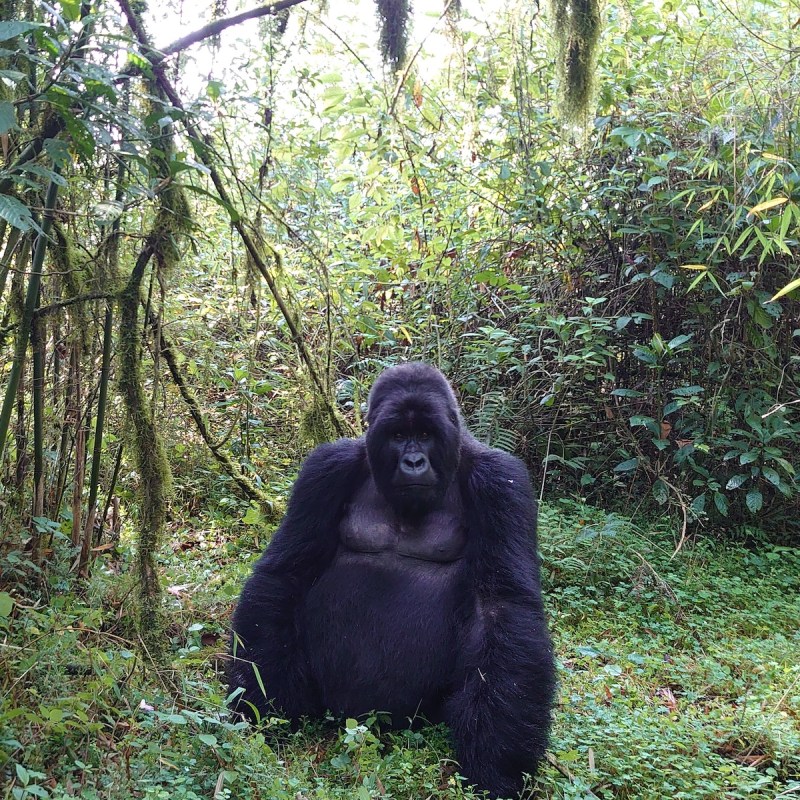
{"type": "Point", "coordinates": [551, 760]}
{"type": "Point", "coordinates": [780, 407]}
{"type": "Point", "coordinates": [685, 527]}
{"type": "Point", "coordinates": [167, 349]}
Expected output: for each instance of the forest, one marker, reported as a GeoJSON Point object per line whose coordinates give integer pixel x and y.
{"type": "Point", "coordinates": [221, 221]}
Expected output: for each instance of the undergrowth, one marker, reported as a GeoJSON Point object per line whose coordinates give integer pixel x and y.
{"type": "Point", "coordinates": [679, 678]}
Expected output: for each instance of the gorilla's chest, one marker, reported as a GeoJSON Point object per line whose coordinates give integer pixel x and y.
{"type": "Point", "coordinates": [369, 526]}
{"type": "Point", "coordinates": [380, 623]}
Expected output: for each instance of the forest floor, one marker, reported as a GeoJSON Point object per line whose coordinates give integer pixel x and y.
{"type": "Point", "coordinates": [679, 677]}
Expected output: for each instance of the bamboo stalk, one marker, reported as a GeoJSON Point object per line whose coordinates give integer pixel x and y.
{"type": "Point", "coordinates": [37, 392]}
{"type": "Point", "coordinates": [97, 450]}
{"type": "Point", "coordinates": [24, 332]}
{"type": "Point", "coordinates": [80, 445]}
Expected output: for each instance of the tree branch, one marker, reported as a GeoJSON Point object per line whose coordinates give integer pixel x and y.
{"type": "Point", "coordinates": [203, 147]}
{"type": "Point", "coordinates": [167, 349]}
{"type": "Point", "coordinates": [219, 25]}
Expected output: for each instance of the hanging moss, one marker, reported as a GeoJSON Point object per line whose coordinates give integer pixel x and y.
{"type": "Point", "coordinates": [394, 16]}
{"type": "Point", "coordinates": [151, 462]}
{"type": "Point", "coordinates": [316, 425]}
{"type": "Point", "coordinates": [577, 30]}
{"type": "Point", "coordinates": [173, 218]}
{"type": "Point", "coordinates": [172, 221]}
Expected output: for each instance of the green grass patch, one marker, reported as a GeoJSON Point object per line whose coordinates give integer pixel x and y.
{"type": "Point", "coordinates": [680, 677]}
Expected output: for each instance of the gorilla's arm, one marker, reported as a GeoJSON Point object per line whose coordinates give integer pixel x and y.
{"type": "Point", "coordinates": [266, 646]}
{"type": "Point", "coordinates": [500, 710]}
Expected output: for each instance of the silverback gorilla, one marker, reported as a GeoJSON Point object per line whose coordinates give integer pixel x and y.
{"type": "Point", "coordinates": [404, 578]}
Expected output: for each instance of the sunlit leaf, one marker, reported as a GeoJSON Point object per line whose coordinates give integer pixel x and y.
{"type": "Point", "coordinates": [767, 204]}
{"type": "Point", "coordinates": [790, 287]}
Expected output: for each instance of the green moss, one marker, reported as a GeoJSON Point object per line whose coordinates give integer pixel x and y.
{"type": "Point", "coordinates": [577, 30]}
{"type": "Point", "coordinates": [394, 16]}
{"type": "Point", "coordinates": [151, 463]}
{"type": "Point", "coordinates": [316, 425]}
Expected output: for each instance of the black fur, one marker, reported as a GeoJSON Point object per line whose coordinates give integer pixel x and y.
{"type": "Point", "coordinates": [404, 578]}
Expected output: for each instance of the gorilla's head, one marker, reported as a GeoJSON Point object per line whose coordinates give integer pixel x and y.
{"type": "Point", "coordinates": [414, 437]}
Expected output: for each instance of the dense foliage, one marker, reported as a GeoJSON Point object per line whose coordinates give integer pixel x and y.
{"type": "Point", "coordinates": [208, 251]}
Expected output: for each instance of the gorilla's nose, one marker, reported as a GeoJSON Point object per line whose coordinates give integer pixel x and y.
{"type": "Point", "coordinates": [415, 464]}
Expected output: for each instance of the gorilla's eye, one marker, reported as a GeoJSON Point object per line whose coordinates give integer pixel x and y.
{"type": "Point", "coordinates": [424, 436]}
{"type": "Point", "coordinates": [399, 436]}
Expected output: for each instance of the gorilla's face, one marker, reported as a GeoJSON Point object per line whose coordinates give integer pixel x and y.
{"type": "Point", "coordinates": [414, 436]}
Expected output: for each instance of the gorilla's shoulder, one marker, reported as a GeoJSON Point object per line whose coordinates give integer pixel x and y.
{"type": "Point", "coordinates": [334, 459]}
{"type": "Point", "coordinates": [492, 470]}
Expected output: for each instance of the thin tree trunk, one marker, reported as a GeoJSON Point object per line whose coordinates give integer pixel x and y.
{"type": "Point", "coordinates": [97, 452]}
{"type": "Point", "coordinates": [21, 438]}
{"type": "Point", "coordinates": [64, 450]}
{"type": "Point", "coordinates": [24, 332]}
{"type": "Point", "coordinates": [37, 390]}
{"type": "Point", "coordinates": [111, 489]}
{"type": "Point", "coordinates": [150, 458]}
{"type": "Point", "coordinates": [80, 445]}
{"type": "Point", "coordinates": [8, 254]}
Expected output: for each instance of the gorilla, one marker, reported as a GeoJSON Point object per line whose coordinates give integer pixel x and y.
{"type": "Point", "coordinates": [404, 579]}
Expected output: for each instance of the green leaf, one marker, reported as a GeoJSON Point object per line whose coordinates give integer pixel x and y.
{"type": "Point", "coordinates": [627, 466]}
{"type": "Point", "coordinates": [81, 136]}
{"type": "Point", "coordinates": [790, 287]}
{"type": "Point", "coordinates": [687, 391]}
{"type": "Point", "coordinates": [44, 172]}
{"type": "Point", "coordinates": [660, 492]}
{"type": "Point", "coordinates": [15, 213]}
{"type": "Point", "coordinates": [785, 465]}
{"type": "Point", "coordinates": [648, 423]}
{"type": "Point", "coordinates": [771, 475]}
{"type": "Point", "coordinates": [208, 738]}
{"type": "Point", "coordinates": [679, 340]}
{"type": "Point", "coordinates": [71, 9]}
{"type": "Point", "coordinates": [721, 502]}
{"type": "Point", "coordinates": [12, 75]}
{"type": "Point", "coordinates": [22, 774]}
{"type": "Point", "coordinates": [699, 504]}
{"type": "Point", "coordinates": [6, 604]}
{"type": "Point", "coordinates": [8, 117]}
{"type": "Point", "coordinates": [736, 481]}
{"type": "Point", "coordinates": [754, 500]}
{"type": "Point", "coordinates": [749, 457]}
{"type": "Point", "coordinates": [58, 150]}
{"type": "Point", "coordinates": [8, 30]}
{"type": "Point", "coordinates": [627, 393]}
{"type": "Point", "coordinates": [646, 355]}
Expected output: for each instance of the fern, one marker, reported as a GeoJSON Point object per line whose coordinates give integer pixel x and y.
{"type": "Point", "coordinates": [491, 422]}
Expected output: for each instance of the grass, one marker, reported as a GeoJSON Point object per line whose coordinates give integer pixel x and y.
{"type": "Point", "coordinates": [680, 677]}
